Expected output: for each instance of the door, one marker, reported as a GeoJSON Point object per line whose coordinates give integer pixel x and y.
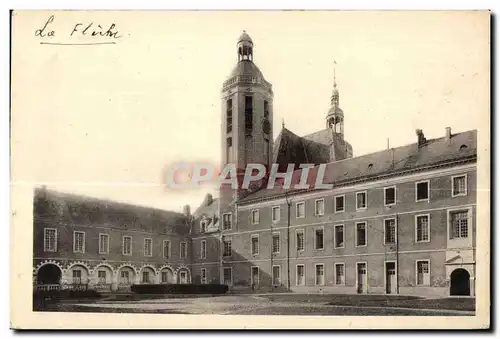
{"type": "Point", "coordinates": [390, 278]}
{"type": "Point", "coordinates": [460, 282]}
{"type": "Point", "coordinates": [362, 282]}
{"type": "Point", "coordinates": [255, 278]}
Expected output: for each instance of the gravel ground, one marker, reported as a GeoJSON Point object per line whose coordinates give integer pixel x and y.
{"type": "Point", "coordinates": [262, 305]}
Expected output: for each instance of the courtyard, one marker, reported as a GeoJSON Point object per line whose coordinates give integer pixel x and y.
{"type": "Point", "coordinates": [271, 304]}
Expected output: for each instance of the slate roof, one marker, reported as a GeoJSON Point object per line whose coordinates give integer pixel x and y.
{"type": "Point", "coordinates": [461, 147]}
{"type": "Point", "coordinates": [246, 67]}
{"type": "Point", "coordinates": [58, 207]}
{"type": "Point", "coordinates": [314, 148]}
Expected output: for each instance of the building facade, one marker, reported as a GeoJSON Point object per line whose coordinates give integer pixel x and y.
{"type": "Point", "coordinates": [397, 221]}
{"type": "Point", "coordinates": [104, 245]}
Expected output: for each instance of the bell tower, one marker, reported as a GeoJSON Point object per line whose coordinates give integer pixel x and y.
{"type": "Point", "coordinates": [247, 111]}
{"type": "Point", "coordinates": [335, 116]}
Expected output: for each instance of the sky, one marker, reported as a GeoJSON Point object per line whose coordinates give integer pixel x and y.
{"type": "Point", "coordinates": [107, 120]}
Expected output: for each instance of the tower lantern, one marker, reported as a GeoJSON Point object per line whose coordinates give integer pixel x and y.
{"type": "Point", "coordinates": [335, 116]}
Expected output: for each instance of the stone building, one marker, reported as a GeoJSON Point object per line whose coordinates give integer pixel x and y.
{"type": "Point", "coordinates": [107, 245]}
{"type": "Point", "coordinates": [397, 221]}
{"type": "Point", "coordinates": [401, 220]}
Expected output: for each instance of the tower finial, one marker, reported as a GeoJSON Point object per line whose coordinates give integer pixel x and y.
{"type": "Point", "coordinates": [334, 75]}
{"type": "Point", "coordinates": [283, 123]}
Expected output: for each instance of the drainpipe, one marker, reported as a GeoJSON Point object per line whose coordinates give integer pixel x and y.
{"type": "Point", "coordinates": [397, 253]}
{"type": "Point", "coordinates": [288, 204]}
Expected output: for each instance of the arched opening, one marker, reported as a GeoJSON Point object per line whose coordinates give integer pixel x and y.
{"type": "Point", "coordinates": [78, 275]}
{"type": "Point", "coordinates": [167, 276]}
{"type": "Point", "coordinates": [148, 275]}
{"type": "Point", "coordinates": [460, 282]}
{"type": "Point", "coordinates": [103, 276]}
{"type": "Point", "coordinates": [48, 274]}
{"type": "Point", "coordinates": [126, 278]}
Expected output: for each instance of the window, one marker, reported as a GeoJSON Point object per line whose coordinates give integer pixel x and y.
{"type": "Point", "coordinates": [248, 113]}
{"type": "Point", "coordinates": [276, 243]}
{"type": "Point", "coordinates": [255, 244]}
{"type": "Point", "coordinates": [422, 191]}
{"type": "Point", "coordinates": [423, 276]}
{"type": "Point", "coordinates": [229, 150]}
{"type": "Point", "coordinates": [266, 109]}
{"type": "Point", "coordinates": [183, 250]}
{"type": "Point", "coordinates": [300, 210]}
{"type": "Point", "coordinates": [275, 214]}
{"type": "Point", "coordinates": [266, 150]}
{"type": "Point", "coordinates": [301, 271]}
{"type": "Point", "coordinates": [125, 277]}
{"type": "Point", "coordinates": [183, 278]}
{"type": "Point", "coordinates": [103, 243]}
{"type": "Point", "coordinates": [318, 239]}
{"type": "Point", "coordinates": [101, 276]}
{"type": "Point", "coordinates": [166, 249]}
{"type": "Point", "coordinates": [389, 196]}
{"type": "Point", "coordinates": [300, 239]}
{"type": "Point", "coordinates": [459, 224]}
{"type": "Point", "coordinates": [228, 276]}
{"type": "Point", "coordinates": [255, 217]}
{"type": "Point", "coordinates": [203, 250]}
{"type": "Point", "coordinates": [389, 231]}
{"type": "Point", "coordinates": [276, 275]}
{"type": "Point", "coordinates": [339, 274]}
{"type": "Point", "coordinates": [459, 184]}
{"type": "Point", "coordinates": [79, 242]}
{"type": "Point", "coordinates": [227, 247]}
{"type": "Point", "coordinates": [226, 221]}
{"type": "Point", "coordinates": [422, 228]}
{"type": "Point", "coordinates": [229, 115]}
{"type": "Point", "coordinates": [127, 245]}
{"type": "Point", "coordinates": [339, 236]}
{"type": "Point", "coordinates": [50, 240]}
{"type": "Point", "coordinates": [319, 207]}
{"type": "Point", "coordinates": [361, 234]}
{"type": "Point", "coordinates": [145, 277]}
{"type": "Point", "coordinates": [77, 276]}
{"type": "Point", "coordinates": [320, 274]}
{"type": "Point", "coordinates": [148, 247]}
{"type": "Point", "coordinates": [203, 225]}
{"type": "Point", "coordinates": [164, 277]}
{"type": "Point", "coordinates": [339, 203]}
{"type": "Point", "coordinates": [360, 200]}
{"type": "Point", "coordinates": [203, 275]}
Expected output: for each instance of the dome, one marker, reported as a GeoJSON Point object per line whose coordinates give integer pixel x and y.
{"type": "Point", "coordinates": [244, 37]}
{"type": "Point", "coordinates": [334, 110]}
{"type": "Point", "coordinates": [246, 67]}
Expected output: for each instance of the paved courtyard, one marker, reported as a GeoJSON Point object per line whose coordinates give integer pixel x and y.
{"type": "Point", "coordinates": [275, 305]}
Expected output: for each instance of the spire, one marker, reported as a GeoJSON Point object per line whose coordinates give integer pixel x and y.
{"type": "Point", "coordinates": [283, 123]}
{"type": "Point", "coordinates": [334, 100]}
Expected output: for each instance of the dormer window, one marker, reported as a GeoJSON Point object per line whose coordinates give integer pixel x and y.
{"type": "Point", "coordinates": [203, 225]}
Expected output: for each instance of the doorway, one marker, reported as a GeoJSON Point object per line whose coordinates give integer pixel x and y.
{"type": "Point", "coordinates": [255, 277]}
{"type": "Point", "coordinates": [48, 274]}
{"type": "Point", "coordinates": [460, 282]}
{"type": "Point", "coordinates": [391, 283]}
{"type": "Point", "coordinates": [361, 278]}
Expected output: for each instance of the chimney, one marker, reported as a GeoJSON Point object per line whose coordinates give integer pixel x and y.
{"type": "Point", "coordinates": [421, 138]}
{"type": "Point", "coordinates": [186, 210]}
{"type": "Point", "coordinates": [448, 133]}
{"type": "Point", "coordinates": [208, 200]}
